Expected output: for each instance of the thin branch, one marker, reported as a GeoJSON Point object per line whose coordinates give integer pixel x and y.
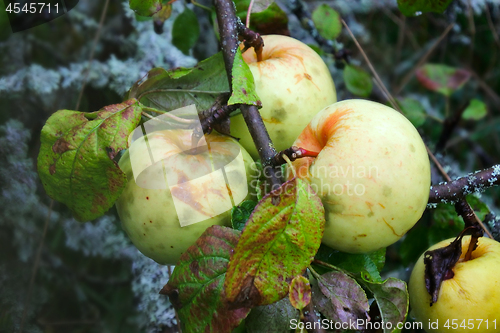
{"type": "Point", "coordinates": [378, 81]}
{"type": "Point", "coordinates": [229, 29]}
{"type": "Point", "coordinates": [35, 266]}
{"type": "Point", "coordinates": [452, 191]}
{"type": "Point", "coordinates": [209, 118]}
{"type": "Point", "coordinates": [410, 74]}
{"type": "Point", "coordinates": [492, 26]}
{"type": "Point", "coordinates": [92, 51]}
{"type": "Point", "coordinates": [449, 126]}
{"type": "Point", "coordinates": [263, 143]}
{"type": "Point", "coordinates": [251, 39]}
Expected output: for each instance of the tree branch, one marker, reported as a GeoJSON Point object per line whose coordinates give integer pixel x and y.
{"type": "Point", "coordinates": [449, 126]}
{"type": "Point", "coordinates": [457, 189]}
{"type": "Point", "coordinates": [229, 29]}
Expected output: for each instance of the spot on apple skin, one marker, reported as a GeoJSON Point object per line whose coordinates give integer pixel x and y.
{"type": "Point", "coordinates": [370, 214]}
{"type": "Point", "coordinates": [412, 148]}
{"type": "Point", "coordinates": [386, 191]}
{"type": "Point", "coordinates": [278, 115]}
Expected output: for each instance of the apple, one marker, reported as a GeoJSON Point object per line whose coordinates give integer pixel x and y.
{"type": "Point", "coordinates": [469, 301]}
{"type": "Point", "coordinates": [372, 173]}
{"type": "Point", "coordinates": [293, 84]}
{"type": "Point", "coordinates": [168, 203]}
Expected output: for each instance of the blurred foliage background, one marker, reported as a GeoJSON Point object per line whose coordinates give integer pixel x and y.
{"type": "Point", "coordinates": [89, 277]}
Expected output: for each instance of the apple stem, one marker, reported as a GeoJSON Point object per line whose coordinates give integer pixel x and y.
{"type": "Point", "coordinates": [251, 39]}
{"type": "Point", "coordinates": [292, 154]}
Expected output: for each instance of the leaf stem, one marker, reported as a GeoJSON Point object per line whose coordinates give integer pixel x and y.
{"type": "Point", "coordinates": [169, 115]}
{"type": "Point", "coordinates": [197, 4]}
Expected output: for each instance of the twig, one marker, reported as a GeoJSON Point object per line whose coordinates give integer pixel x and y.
{"type": "Point", "coordinates": [92, 51]}
{"type": "Point", "coordinates": [263, 142]}
{"type": "Point", "coordinates": [251, 39]}
{"type": "Point", "coordinates": [491, 25]}
{"type": "Point", "coordinates": [378, 81]}
{"type": "Point", "coordinates": [35, 266]}
{"type": "Point", "coordinates": [216, 114]}
{"type": "Point", "coordinates": [449, 126]}
{"type": "Point", "coordinates": [472, 28]}
{"type": "Point", "coordinates": [229, 25]}
{"type": "Point", "coordinates": [409, 75]}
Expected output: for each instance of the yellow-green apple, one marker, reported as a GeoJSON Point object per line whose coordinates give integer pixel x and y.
{"type": "Point", "coordinates": [372, 173]}
{"type": "Point", "coordinates": [293, 84]}
{"type": "Point", "coordinates": [174, 192]}
{"type": "Point", "coordinates": [467, 302]}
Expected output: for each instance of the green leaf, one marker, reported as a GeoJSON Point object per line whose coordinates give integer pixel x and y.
{"type": "Point", "coordinates": [185, 31]}
{"type": "Point", "coordinates": [243, 83]}
{"type": "Point", "coordinates": [441, 78]}
{"type": "Point", "coordinates": [273, 20]}
{"type": "Point", "coordinates": [392, 300]}
{"type": "Point", "coordinates": [414, 7]}
{"type": "Point", "coordinates": [299, 292]}
{"type": "Point", "coordinates": [75, 162]}
{"type": "Point", "coordinates": [339, 297]}
{"type": "Point", "coordinates": [357, 80]}
{"type": "Point", "coordinates": [274, 317]}
{"type": "Point", "coordinates": [413, 110]}
{"type": "Point", "coordinates": [327, 21]}
{"type": "Point", "coordinates": [277, 244]}
{"type": "Point", "coordinates": [145, 7]}
{"type": "Point", "coordinates": [261, 5]}
{"type": "Point", "coordinates": [476, 110]}
{"type": "Point", "coordinates": [414, 243]}
{"type": "Point", "coordinates": [196, 287]}
{"type": "Point", "coordinates": [241, 213]}
{"type": "Point", "coordinates": [170, 90]}
{"type": "Point", "coordinates": [480, 208]}
{"type": "Point", "coordinates": [370, 264]}
{"type": "Point", "coordinates": [446, 223]}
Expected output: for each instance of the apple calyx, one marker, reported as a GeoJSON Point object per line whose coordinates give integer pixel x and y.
{"type": "Point", "coordinates": [439, 263]}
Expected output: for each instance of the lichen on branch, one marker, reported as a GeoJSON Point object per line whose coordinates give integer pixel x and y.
{"type": "Point", "coordinates": [453, 191]}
